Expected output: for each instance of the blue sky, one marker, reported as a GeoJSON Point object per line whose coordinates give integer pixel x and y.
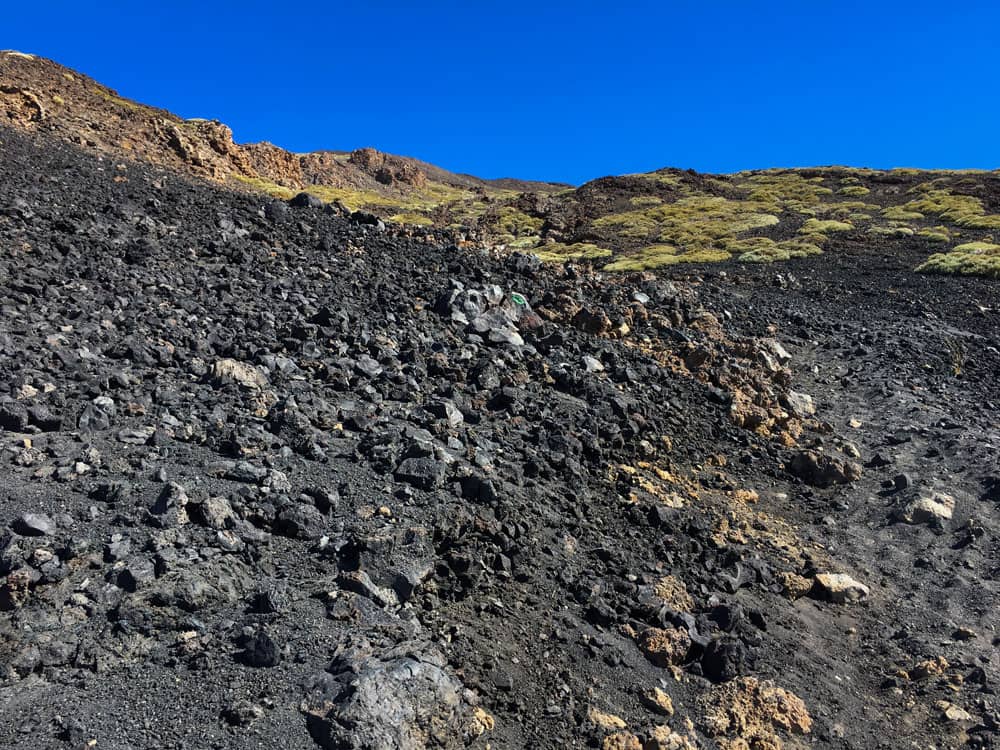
{"type": "Point", "coordinates": [564, 91]}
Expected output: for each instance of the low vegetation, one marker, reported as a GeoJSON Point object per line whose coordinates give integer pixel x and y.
{"type": "Point", "coordinates": [513, 222]}
{"type": "Point", "coordinates": [412, 218]}
{"type": "Point", "coordinates": [960, 210]}
{"type": "Point", "coordinates": [760, 217]}
{"type": "Point", "coordinates": [900, 213]}
{"type": "Point", "coordinates": [558, 252]}
{"type": "Point", "coordinates": [415, 207]}
{"type": "Point", "coordinates": [695, 223]}
{"type": "Point", "coordinates": [771, 251]}
{"type": "Point", "coordinates": [824, 226]}
{"type": "Point", "coordinates": [657, 256]}
{"type": "Point", "coordinates": [784, 191]}
{"type": "Point", "coordinates": [263, 186]}
{"type": "Point", "coordinates": [112, 98]}
{"type": "Point", "coordinates": [935, 234]}
{"type": "Point", "coordinates": [967, 259]}
{"type": "Point", "coordinates": [891, 231]}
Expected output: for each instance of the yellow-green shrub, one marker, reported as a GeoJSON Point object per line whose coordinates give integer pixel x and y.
{"type": "Point", "coordinates": [969, 259]}
{"type": "Point", "coordinates": [820, 226]}
{"type": "Point", "coordinates": [658, 256]}
{"type": "Point", "coordinates": [558, 252]}
{"type": "Point", "coordinates": [962, 210]}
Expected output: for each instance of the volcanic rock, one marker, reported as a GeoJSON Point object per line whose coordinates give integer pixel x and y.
{"type": "Point", "coordinates": [657, 700]}
{"type": "Point", "coordinates": [394, 701]}
{"type": "Point", "coordinates": [382, 467]}
{"type": "Point", "coordinates": [34, 524]}
{"type": "Point", "coordinates": [423, 473]}
{"type": "Point", "coordinates": [300, 521]}
{"type": "Point", "coordinates": [262, 651]}
{"type": "Point", "coordinates": [822, 470]}
{"type": "Point", "coordinates": [800, 404]}
{"type": "Point", "coordinates": [665, 646]}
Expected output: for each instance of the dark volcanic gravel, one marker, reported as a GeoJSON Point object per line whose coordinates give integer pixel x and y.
{"type": "Point", "coordinates": [277, 477]}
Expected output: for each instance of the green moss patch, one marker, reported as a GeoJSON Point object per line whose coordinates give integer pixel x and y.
{"type": "Point", "coordinates": [658, 256]}
{"type": "Point", "coordinates": [786, 191]}
{"type": "Point", "coordinates": [961, 210]}
{"type": "Point", "coordinates": [892, 231]}
{"type": "Point", "coordinates": [112, 98]}
{"type": "Point", "coordinates": [263, 186]}
{"type": "Point", "coordinates": [511, 221]}
{"type": "Point", "coordinates": [666, 178]}
{"type": "Point", "coordinates": [765, 250]}
{"type": "Point", "coordinates": [526, 243]}
{"type": "Point", "coordinates": [901, 213]}
{"type": "Point", "coordinates": [824, 226]}
{"type": "Point", "coordinates": [411, 218]}
{"type": "Point", "coordinates": [641, 201]}
{"type": "Point", "coordinates": [937, 234]}
{"type": "Point", "coordinates": [558, 252]}
{"type": "Point", "coordinates": [696, 222]}
{"type": "Point", "coordinates": [969, 259]}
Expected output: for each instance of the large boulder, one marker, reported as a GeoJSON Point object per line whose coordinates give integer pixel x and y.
{"type": "Point", "coordinates": [404, 699]}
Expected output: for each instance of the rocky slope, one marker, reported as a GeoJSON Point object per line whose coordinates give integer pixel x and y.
{"type": "Point", "coordinates": [280, 473]}
{"type": "Point", "coordinates": [274, 474]}
{"type": "Point", "coordinates": [625, 223]}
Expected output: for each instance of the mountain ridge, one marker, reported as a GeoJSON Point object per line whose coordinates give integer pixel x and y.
{"type": "Point", "coordinates": [621, 223]}
{"type": "Point", "coordinates": [40, 92]}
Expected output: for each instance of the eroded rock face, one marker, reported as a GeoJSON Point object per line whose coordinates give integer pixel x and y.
{"type": "Point", "coordinates": [207, 147]}
{"type": "Point", "coordinates": [278, 165]}
{"type": "Point", "coordinates": [20, 106]}
{"type": "Point", "coordinates": [387, 169]}
{"type": "Point", "coordinates": [34, 90]}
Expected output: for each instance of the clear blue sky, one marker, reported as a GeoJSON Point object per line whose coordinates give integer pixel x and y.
{"type": "Point", "coordinates": [558, 90]}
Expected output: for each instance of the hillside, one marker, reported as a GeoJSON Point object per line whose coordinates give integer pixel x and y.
{"type": "Point", "coordinates": [40, 94]}
{"type": "Point", "coordinates": [631, 222]}
{"type": "Point", "coordinates": [639, 222]}
{"type": "Point", "coordinates": [276, 474]}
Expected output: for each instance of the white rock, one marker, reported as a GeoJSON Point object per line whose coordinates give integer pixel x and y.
{"type": "Point", "coordinates": [778, 351]}
{"type": "Point", "coordinates": [26, 391]}
{"type": "Point", "coordinates": [841, 588]}
{"type": "Point", "coordinates": [931, 508]}
{"type": "Point", "coordinates": [955, 713]}
{"type": "Point", "coordinates": [234, 371]}
{"type": "Point", "coordinates": [800, 404]}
